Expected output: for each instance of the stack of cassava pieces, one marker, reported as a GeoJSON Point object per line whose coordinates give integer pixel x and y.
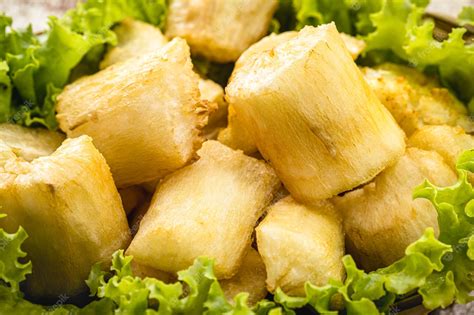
{"type": "Point", "coordinates": [369, 142]}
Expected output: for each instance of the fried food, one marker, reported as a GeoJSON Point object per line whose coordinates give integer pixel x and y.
{"type": "Point", "coordinates": [448, 141]}
{"type": "Point", "coordinates": [134, 38]}
{"type": "Point", "coordinates": [381, 219]}
{"type": "Point", "coordinates": [144, 114]}
{"type": "Point", "coordinates": [208, 209]}
{"type": "Point", "coordinates": [236, 135]}
{"type": "Point", "coordinates": [250, 278]}
{"type": "Point", "coordinates": [416, 100]}
{"type": "Point", "coordinates": [301, 243]}
{"type": "Point", "coordinates": [29, 143]}
{"type": "Point", "coordinates": [71, 209]}
{"type": "Point", "coordinates": [313, 116]}
{"type": "Point", "coordinates": [219, 30]}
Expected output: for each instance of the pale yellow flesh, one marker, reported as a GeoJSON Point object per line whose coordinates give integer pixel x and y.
{"type": "Point", "coordinates": [301, 243]}
{"type": "Point", "coordinates": [206, 209]}
{"type": "Point", "coordinates": [250, 279]}
{"type": "Point", "coordinates": [354, 46]}
{"type": "Point", "coordinates": [416, 100]}
{"type": "Point", "coordinates": [134, 38]}
{"type": "Point", "coordinates": [235, 135]}
{"type": "Point", "coordinates": [144, 114]}
{"type": "Point", "coordinates": [448, 141]}
{"type": "Point", "coordinates": [313, 116]}
{"type": "Point", "coordinates": [220, 30]}
{"type": "Point", "coordinates": [213, 92]}
{"type": "Point", "coordinates": [68, 204]}
{"type": "Point", "coordinates": [29, 143]}
{"type": "Point", "coordinates": [382, 218]}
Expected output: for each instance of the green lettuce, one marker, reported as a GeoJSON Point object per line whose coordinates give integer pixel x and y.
{"type": "Point", "coordinates": [401, 29]}
{"type": "Point", "coordinates": [466, 16]}
{"type": "Point", "coordinates": [5, 91]}
{"type": "Point", "coordinates": [38, 68]}
{"type": "Point", "coordinates": [197, 291]}
{"type": "Point", "coordinates": [295, 14]}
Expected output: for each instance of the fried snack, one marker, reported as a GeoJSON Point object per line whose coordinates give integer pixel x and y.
{"type": "Point", "coordinates": [133, 197]}
{"type": "Point", "coordinates": [416, 100]}
{"type": "Point", "coordinates": [71, 209]}
{"type": "Point", "coordinates": [382, 218]}
{"type": "Point", "coordinates": [235, 135]}
{"type": "Point", "coordinates": [250, 278]}
{"type": "Point", "coordinates": [220, 30]}
{"type": "Point", "coordinates": [301, 243]}
{"type": "Point", "coordinates": [135, 38]}
{"type": "Point", "coordinates": [30, 143]}
{"type": "Point", "coordinates": [144, 114]}
{"type": "Point", "coordinates": [213, 92]}
{"type": "Point", "coordinates": [313, 116]}
{"type": "Point", "coordinates": [448, 141]}
{"type": "Point", "coordinates": [354, 46]}
{"type": "Point", "coordinates": [206, 209]}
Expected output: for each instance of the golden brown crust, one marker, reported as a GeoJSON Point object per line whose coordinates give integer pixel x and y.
{"type": "Point", "coordinates": [416, 100]}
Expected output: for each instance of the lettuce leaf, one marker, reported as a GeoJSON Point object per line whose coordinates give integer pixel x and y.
{"type": "Point", "coordinates": [5, 91]}
{"type": "Point", "coordinates": [466, 16]}
{"type": "Point", "coordinates": [295, 14]}
{"type": "Point", "coordinates": [197, 291]}
{"type": "Point", "coordinates": [38, 68]}
{"type": "Point", "coordinates": [12, 271]}
{"type": "Point", "coordinates": [401, 29]}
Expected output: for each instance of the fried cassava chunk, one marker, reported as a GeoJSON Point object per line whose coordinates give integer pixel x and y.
{"type": "Point", "coordinates": [354, 46]}
{"type": "Point", "coordinates": [144, 114]}
{"type": "Point", "coordinates": [301, 243]}
{"type": "Point", "coordinates": [235, 135]}
{"type": "Point", "coordinates": [448, 141]}
{"type": "Point", "coordinates": [382, 218]}
{"type": "Point", "coordinates": [213, 92]}
{"type": "Point", "coordinates": [250, 278]}
{"type": "Point", "coordinates": [313, 116]}
{"type": "Point", "coordinates": [416, 100]}
{"type": "Point", "coordinates": [29, 143]}
{"type": "Point", "coordinates": [220, 30]}
{"type": "Point", "coordinates": [71, 209]}
{"type": "Point", "coordinates": [206, 209]}
{"type": "Point", "coordinates": [135, 38]}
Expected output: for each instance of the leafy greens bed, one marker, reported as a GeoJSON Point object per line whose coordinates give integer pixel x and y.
{"type": "Point", "coordinates": [34, 68]}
